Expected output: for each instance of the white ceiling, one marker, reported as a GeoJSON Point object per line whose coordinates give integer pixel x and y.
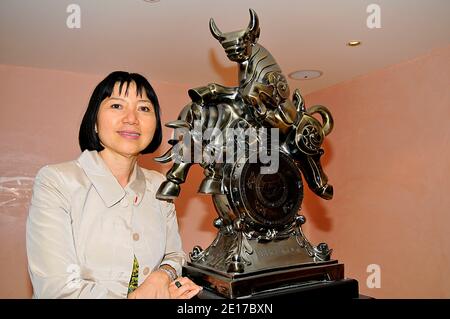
{"type": "Point", "coordinates": [170, 40]}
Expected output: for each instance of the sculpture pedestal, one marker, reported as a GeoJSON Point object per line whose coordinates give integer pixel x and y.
{"type": "Point", "coordinates": [327, 277]}
{"type": "Point", "coordinates": [340, 289]}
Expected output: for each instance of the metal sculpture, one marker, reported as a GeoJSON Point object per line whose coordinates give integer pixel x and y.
{"type": "Point", "coordinates": [259, 228]}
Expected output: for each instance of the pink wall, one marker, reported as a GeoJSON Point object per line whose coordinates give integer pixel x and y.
{"type": "Point", "coordinates": [387, 158]}
{"type": "Point", "coordinates": [39, 120]}
{"type": "Point", "coordinates": [389, 161]}
{"type": "Point", "coordinates": [39, 115]}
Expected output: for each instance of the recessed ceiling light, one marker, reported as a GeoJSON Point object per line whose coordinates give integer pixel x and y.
{"type": "Point", "coordinates": [353, 43]}
{"type": "Point", "coordinates": [305, 74]}
{"type": "Point", "coordinates": [151, 1]}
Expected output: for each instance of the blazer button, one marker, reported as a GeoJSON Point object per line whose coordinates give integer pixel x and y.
{"type": "Point", "coordinates": [135, 236]}
{"type": "Point", "coordinates": [146, 271]}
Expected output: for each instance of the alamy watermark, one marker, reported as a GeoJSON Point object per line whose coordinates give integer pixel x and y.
{"type": "Point", "coordinates": [74, 278]}
{"type": "Point", "coordinates": [374, 278]}
{"type": "Point", "coordinates": [374, 19]}
{"type": "Point", "coordinates": [230, 145]}
{"type": "Point", "coordinates": [73, 21]}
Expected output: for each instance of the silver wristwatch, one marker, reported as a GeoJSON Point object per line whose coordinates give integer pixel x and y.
{"type": "Point", "coordinates": [172, 274]}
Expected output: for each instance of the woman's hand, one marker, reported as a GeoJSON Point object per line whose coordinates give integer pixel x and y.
{"type": "Point", "coordinates": [155, 286]}
{"type": "Point", "coordinates": [187, 290]}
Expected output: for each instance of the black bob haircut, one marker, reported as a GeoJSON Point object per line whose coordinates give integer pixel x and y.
{"type": "Point", "coordinates": [88, 138]}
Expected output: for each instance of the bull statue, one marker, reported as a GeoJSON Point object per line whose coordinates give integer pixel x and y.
{"type": "Point", "coordinates": [254, 208]}
{"type": "Point", "coordinates": [261, 97]}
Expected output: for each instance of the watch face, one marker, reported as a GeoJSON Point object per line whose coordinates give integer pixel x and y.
{"type": "Point", "coordinates": [268, 200]}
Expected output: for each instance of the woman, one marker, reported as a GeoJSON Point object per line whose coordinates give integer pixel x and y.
{"type": "Point", "coordinates": [95, 228]}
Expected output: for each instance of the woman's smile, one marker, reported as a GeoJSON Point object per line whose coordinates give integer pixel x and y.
{"type": "Point", "coordinates": [129, 134]}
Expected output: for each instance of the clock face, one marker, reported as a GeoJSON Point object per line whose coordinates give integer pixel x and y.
{"type": "Point", "coordinates": [268, 200]}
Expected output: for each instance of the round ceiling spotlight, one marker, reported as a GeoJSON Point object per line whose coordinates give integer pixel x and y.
{"type": "Point", "coordinates": [152, 1]}
{"type": "Point", "coordinates": [353, 43]}
{"type": "Point", "coordinates": [305, 74]}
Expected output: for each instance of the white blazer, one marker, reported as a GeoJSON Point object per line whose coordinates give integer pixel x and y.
{"type": "Point", "coordinates": [84, 229]}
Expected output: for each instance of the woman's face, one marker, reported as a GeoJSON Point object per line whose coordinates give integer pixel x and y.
{"type": "Point", "coordinates": [126, 123]}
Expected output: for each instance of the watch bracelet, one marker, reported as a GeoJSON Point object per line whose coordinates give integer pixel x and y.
{"type": "Point", "coordinates": [169, 271]}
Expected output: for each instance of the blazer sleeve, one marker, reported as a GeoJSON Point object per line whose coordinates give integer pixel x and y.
{"type": "Point", "coordinates": [174, 254]}
{"type": "Point", "coordinates": [52, 261]}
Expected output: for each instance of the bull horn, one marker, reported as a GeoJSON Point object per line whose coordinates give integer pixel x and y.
{"type": "Point", "coordinates": [253, 26]}
{"type": "Point", "coordinates": [178, 124]}
{"type": "Point", "coordinates": [215, 30]}
{"type": "Point", "coordinates": [166, 157]}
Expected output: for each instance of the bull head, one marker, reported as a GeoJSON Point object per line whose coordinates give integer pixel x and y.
{"type": "Point", "coordinates": [238, 44]}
